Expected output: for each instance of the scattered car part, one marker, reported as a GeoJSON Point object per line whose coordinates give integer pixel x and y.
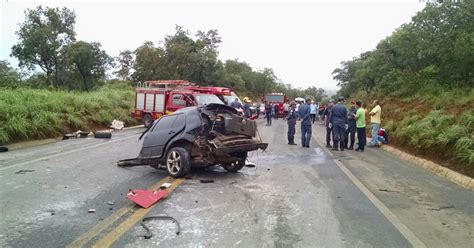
{"type": "Point", "coordinates": [103, 134]}
{"type": "Point", "coordinates": [165, 185]}
{"type": "Point", "coordinates": [23, 171]}
{"type": "Point", "coordinates": [3, 149]}
{"type": "Point", "coordinates": [250, 164]}
{"type": "Point", "coordinates": [146, 198]}
{"type": "Point", "coordinates": [206, 181]}
{"type": "Point", "coordinates": [92, 210]}
{"type": "Point", "coordinates": [148, 234]}
{"type": "Point", "coordinates": [116, 124]}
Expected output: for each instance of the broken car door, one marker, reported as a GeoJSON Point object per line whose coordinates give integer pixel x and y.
{"type": "Point", "coordinates": [166, 128]}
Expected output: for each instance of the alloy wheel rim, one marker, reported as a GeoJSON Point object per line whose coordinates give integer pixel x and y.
{"type": "Point", "coordinates": [174, 162]}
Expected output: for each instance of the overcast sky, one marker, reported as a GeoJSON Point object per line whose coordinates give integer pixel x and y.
{"type": "Point", "coordinates": [303, 42]}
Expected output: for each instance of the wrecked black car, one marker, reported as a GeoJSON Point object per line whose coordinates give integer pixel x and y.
{"type": "Point", "coordinates": [200, 136]}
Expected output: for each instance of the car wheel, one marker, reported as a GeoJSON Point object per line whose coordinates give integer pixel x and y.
{"type": "Point", "coordinates": [147, 120]}
{"type": "Point", "coordinates": [234, 166]}
{"type": "Point", "coordinates": [178, 162]}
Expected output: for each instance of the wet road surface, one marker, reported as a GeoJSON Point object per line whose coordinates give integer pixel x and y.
{"type": "Point", "coordinates": [294, 197]}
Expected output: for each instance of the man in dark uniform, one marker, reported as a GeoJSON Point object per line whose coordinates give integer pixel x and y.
{"type": "Point", "coordinates": [305, 116]}
{"type": "Point", "coordinates": [326, 116]}
{"type": "Point", "coordinates": [351, 130]}
{"type": "Point", "coordinates": [268, 113]}
{"type": "Point", "coordinates": [338, 123]}
{"type": "Point", "coordinates": [291, 119]}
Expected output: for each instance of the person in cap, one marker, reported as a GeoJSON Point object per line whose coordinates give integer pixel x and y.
{"type": "Point", "coordinates": [305, 116]}
{"type": "Point", "coordinates": [291, 120]}
{"type": "Point", "coordinates": [338, 123]}
{"type": "Point", "coordinates": [351, 130]}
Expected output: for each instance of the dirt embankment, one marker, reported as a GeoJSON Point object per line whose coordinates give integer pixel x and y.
{"type": "Point", "coordinates": [419, 141]}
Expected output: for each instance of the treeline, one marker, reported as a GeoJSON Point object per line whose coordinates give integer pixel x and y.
{"type": "Point", "coordinates": [423, 75]}
{"type": "Point", "coordinates": [47, 41]}
{"type": "Point", "coordinates": [431, 54]}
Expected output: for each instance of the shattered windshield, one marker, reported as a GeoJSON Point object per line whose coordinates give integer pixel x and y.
{"type": "Point", "coordinates": [204, 99]}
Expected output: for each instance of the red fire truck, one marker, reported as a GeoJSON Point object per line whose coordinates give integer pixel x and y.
{"type": "Point", "coordinates": [278, 99]}
{"type": "Point", "coordinates": [154, 99]}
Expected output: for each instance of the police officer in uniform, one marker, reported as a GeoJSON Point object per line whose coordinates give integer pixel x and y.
{"type": "Point", "coordinates": [338, 123]}
{"type": "Point", "coordinates": [291, 119]}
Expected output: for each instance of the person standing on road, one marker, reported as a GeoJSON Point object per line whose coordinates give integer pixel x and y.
{"type": "Point", "coordinates": [286, 109]}
{"type": "Point", "coordinates": [268, 113]}
{"type": "Point", "coordinates": [326, 117]}
{"type": "Point", "coordinates": [313, 110]}
{"type": "Point", "coordinates": [338, 123]}
{"type": "Point", "coordinates": [291, 119]}
{"type": "Point", "coordinates": [360, 123]}
{"type": "Point", "coordinates": [351, 130]}
{"type": "Point", "coordinates": [305, 116]}
{"type": "Point", "coordinates": [375, 115]}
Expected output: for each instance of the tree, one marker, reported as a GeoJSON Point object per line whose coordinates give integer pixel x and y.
{"type": "Point", "coordinates": [125, 63]}
{"type": "Point", "coordinates": [315, 93]}
{"type": "Point", "coordinates": [9, 77]}
{"type": "Point", "coordinates": [41, 38]}
{"type": "Point", "coordinates": [88, 62]}
{"type": "Point", "coordinates": [150, 63]}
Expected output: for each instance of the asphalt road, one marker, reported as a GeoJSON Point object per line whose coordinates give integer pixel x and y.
{"type": "Point", "coordinates": [294, 197]}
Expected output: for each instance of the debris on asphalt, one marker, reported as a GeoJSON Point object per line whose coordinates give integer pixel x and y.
{"type": "Point", "coordinates": [23, 171]}
{"type": "Point", "coordinates": [103, 134]}
{"type": "Point", "coordinates": [110, 202]}
{"type": "Point", "coordinates": [441, 208]}
{"type": "Point", "coordinates": [144, 197]}
{"type": "Point", "coordinates": [82, 134]}
{"type": "Point", "coordinates": [206, 181]}
{"type": "Point", "coordinates": [268, 169]}
{"type": "Point", "coordinates": [250, 164]}
{"type": "Point", "coordinates": [389, 190]}
{"type": "Point", "coordinates": [233, 182]}
{"type": "Point", "coordinates": [148, 234]}
{"type": "Point", "coordinates": [92, 210]}
{"type": "Point", "coordinates": [3, 149]}
{"type": "Point", "coordinates": [165, 185]}
{"type": "Point", "coordinates": [118, 125]}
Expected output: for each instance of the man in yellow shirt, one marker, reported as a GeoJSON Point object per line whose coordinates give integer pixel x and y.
{"type": "Point", "coordinates": [375, 115]}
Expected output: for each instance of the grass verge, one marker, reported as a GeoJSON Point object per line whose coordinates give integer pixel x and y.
{"type": "Point", "coordinates": [27, 114]}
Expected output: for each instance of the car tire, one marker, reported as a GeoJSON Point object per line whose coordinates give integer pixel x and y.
{"type": "Point", "coordinates": [147, 120]}
{"type": "Point", "coordinates": [234, 166]}
{"type": "Point", "coordinates": [178, 162]}
{"type": "Point", "coordinates": [103, 135]}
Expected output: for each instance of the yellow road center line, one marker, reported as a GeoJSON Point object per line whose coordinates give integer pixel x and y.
{"type": "Point", "coordinates": [118, 232]}
{"type": "Point", "coordinates": [97, 229]}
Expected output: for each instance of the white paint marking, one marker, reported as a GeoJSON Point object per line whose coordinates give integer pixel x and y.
{"type": "Point", "coordinates": [68, 152]}
{"type": "Point", "coordinates": [407, 233]}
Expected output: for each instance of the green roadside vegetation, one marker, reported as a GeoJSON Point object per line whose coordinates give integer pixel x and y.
{"type": "Point", "coordinates": [27, 113]}
{"type": "Point", "coordinates": [423, 74]}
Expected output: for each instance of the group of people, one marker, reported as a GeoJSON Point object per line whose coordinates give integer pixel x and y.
{"type": "Point", "coordinates": [341, 123]}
